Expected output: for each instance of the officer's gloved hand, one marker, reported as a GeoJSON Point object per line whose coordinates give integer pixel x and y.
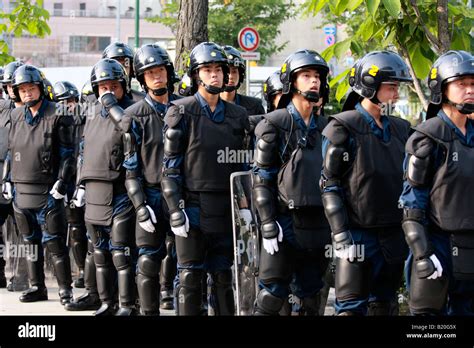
{"type": "Point", "coordinates": [272, 234]}
{"type": "Point", "coordinates": [7, 190]}
{"type": "Point", "coordinates": [79, 199]}
{"type": "Point", "coordinates": [428, 267]}
{"type": "Point", "coordinates": [247, 216]}
{"type": "Point", "coordinates": [344, 247]}
{"type": "Point", "coordinates": [108, 99]}
{"type": "Point", "coordinates": [147, 219]}
{"type": "Point", "coordinates": [179, 223]}
{"type": "Point", "coordinates": [59, 189]}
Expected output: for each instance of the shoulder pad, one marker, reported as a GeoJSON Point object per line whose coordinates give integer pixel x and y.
{"type": "Point", "coordinates": [336, 132]}
{"type": "Point", "coordinates": [266, 131]}
{"type": "Point", "coordinates": [420, 145]}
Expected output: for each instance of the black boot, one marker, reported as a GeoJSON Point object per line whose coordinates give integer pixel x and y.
{"type": "Point", "coordinates": [167, 298]}
{"type": "Point", "coordinates": [148, 284]}
{"type": "Point", "coordinates": [167, 275]}
{"type": "Point", "coordinates": [86, 302]}
{"type": "Point", "coordinates": [79, 282]}
{"type": "Point", "coordinates": [37, 291]}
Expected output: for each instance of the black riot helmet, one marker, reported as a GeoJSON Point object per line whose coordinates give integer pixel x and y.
{"type": "Point", "coordinates": [64, 90]}
{"type": "Point", "coordinates": [185, 86]}
{"type": "Point", "coordinates": [8, 72]}
{"type": "Point", "coordinates": [203, 54]}
{"type": "Point", "coordinates": [31, 74]}
{"type": "Point", "coordinates": [369, 72]}
{"type": "Point", "coordinates": [118, 50]}
{"type": "Point", "coordinates": [450, 66]}
{"type": "Point", "coordinates": [271, 87]}
{"type": "Point", "coordinates": [299, 60]}
{"type": "Point", "coordinates": [49, 90]}
{"type": "Point", "coordinates": [150, 56]}
{"type": "Point", "coordinates": [108, 69]}
{"type": "Point", "coordinates": [235, 59]}
{"type": "Point", "coordinates": [86, 91]}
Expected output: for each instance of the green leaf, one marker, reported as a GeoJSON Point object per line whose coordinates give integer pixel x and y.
{"type": "Point", "coordinates": [342, 47]}
{"type": "Point", "coordinates": [420, 63]}
{"type": "Point", "coordinates": [393, 7]}
{"type": "Point", "coordinates": [373, 6]}
{"type": "Point", "coordinates": [328, 53]}
{"type": "Point", "coordinates": [342, 89]}
{"type": "Point", "coordinates": [366, 29]}
{"type": "Point", "coordinates": [341, 7]}
{"type": "Point", "coordinates": [353, 4]}
{"type": "Point", "coordinates": [315, 6]}
{"type": "Point", "coordinates": [339, 77]}
{"type": "Point", "coordinates": [388, 40]}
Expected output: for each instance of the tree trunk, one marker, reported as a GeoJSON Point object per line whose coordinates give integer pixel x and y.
{"type": "Point", "coordinates": [444, 36]}
{"type": "Point", "coordinates": [192, 29]}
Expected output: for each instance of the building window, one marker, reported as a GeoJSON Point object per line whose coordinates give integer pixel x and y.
{"type": "Point", "coordinates": [87, 44]}
{"type": "Point", "coordinates": [82, 9]}
{"type": "Point", "coordinates": [58, 9]}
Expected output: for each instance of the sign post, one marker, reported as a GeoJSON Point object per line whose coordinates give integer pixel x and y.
{"type": "Point", "coordinates": [248, 41]}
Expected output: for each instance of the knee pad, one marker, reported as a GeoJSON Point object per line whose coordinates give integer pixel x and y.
{"type": "Point", "coordinates": [268, 304]}
{"type": "Point", "coordinates": [56, 246]}
{"type": "Point", "coordinates": [148, 266]}
{"type": "Point", "coordinates": [123, 228]}
{"type": "Point", "coordinates": [120, 259]}
{"type": "Point", "coordinates": [55, 221]}
{"type": "Point", "coordinates": [352, 280]}
{"type": "Point", "coordinates": [190, 278]}
{"type": "Point", "coordinates": [77, 233]}
{"type": "Point", "coordinates": [102, 258]}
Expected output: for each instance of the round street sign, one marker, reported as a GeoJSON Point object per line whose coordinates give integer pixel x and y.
{"type": "Point", "coordinates": [248, 39]}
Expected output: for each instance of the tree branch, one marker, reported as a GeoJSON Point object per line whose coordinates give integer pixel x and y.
{"type": "Point", "coordinates": [431, 38]}
{"type": "Point", "coordinates": [416, 82]}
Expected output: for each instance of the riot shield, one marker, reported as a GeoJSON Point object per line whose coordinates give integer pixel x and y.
{"type": "Point", "coordinates": [246, 243]}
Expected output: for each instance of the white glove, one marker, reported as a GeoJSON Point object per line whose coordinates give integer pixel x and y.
{"type": "Point", "coordinates": [79, 197]}
{"type": "Point", "coordinates": [54, 191]}
{"type": "Point", "coordinates": [247, 216]}
{"type": "Point", "coordinates": [271, 245]}
{"type": "Point", "coordinates": [7, 190]}
{"type": "Point", "coordinates": [439, 269]}
{"type": "Point", "coordinates": [348, 252]}
{"type": "Point", "coordinates": [182, 230]}
{"type": "Point", "coordinates": [147, 225]}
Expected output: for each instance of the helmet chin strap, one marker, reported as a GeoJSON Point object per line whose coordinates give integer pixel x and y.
{"type": "Point", "coordinates": [32, 103]}
{"type": "Point", "coordinates": [311, 96]}
{"type": "Point", "coordinates": [159, 91]}
{"type": "Point", "coordinates": [211, 89]}
{"type": "Point", "coordinates": [463, 108]}
{"type": "Point", "coordinates": [230, 88]}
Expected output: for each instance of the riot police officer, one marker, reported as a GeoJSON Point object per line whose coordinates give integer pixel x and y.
{"type": "Point", "coordinates": [19, 280]}
{"type": "Point", "coordinates": [109, 214]}
{"type": "Point", "coordinates": [39, 166]}
{"type": "Point", "coordinates": [144, 123]}
{"type": "Point", "coordinates": [437, 193]}
{"type": "Point", "coordinates": [123, 53]}
{"type": "Point", "coordinates": [195, 184]}
{"type": "Point", "coordinates": [287, 166]}
{"type": "Point", "coordinates": [236, 78]}
{"type": "Point", "coordinates": [272, 91]}
{"type": "Point", "coordinates": [361, 182]}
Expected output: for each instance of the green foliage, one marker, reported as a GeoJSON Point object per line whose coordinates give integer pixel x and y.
{"type": "Point", "coordinates": [25, 18]}
{"type": "Point", "coordinates": [381, 24]}
{"type": "Point", "coordinates": [169, 16]}
{"type": "Point", "coordinates": [227, 17]}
